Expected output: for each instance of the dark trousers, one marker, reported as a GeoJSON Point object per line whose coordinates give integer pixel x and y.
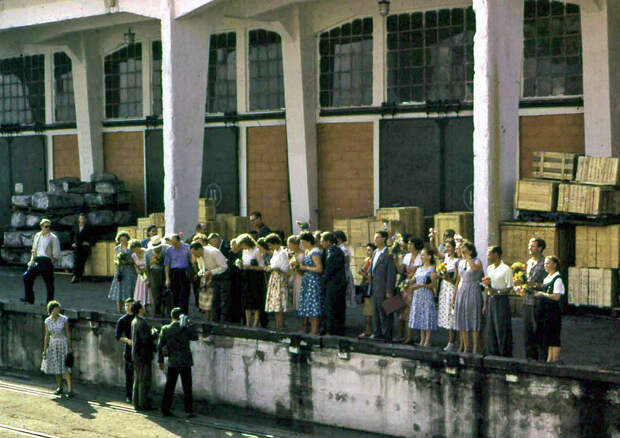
{"type": "Point", "coordinates": [129, 379]}
{"type": "Point", "coordinates": [180, 285]}
{"type": "Point", "coordinates": [156, 286]}
{"type": "Point", "coordinates": [171, 383]}
{"type": "Point", "coordinates": [498, 328]}
{"type": "Point", "coordinates": [141, 385]}
{"type": "Point", "coordinates": [80, 255]}
{"type": "Point", "coordinates": [196, 289]}
{"type": "Point", "coordinates": [383, 324]}
{"type": "Point", "coordinates": [222, 300]}
{"type": "Point", "coordinates": [335, 309]}
{"type": "Point", "coordinates": [533, 349]}
{"type": "Point", "coordinates": [42, 266]}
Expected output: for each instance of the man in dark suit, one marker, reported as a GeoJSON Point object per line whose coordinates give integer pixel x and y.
{"type": "Point", "coordinates": [381, 287]}
{"type": "Point", "coordinates": [122, 333]}
{"type": "Point", "coordinates": [174, 342]}
{"type": "Point", "coordinates": [83, 240]}
{"type": "Point", "coordinates": [256, 219]}
{"type": "Point", "coordinates": [142, 350]}
{"type": "Point", "coordinates": [334, 283]}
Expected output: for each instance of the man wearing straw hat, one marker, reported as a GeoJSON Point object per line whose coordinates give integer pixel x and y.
{"type": "Point", "coordinates": [45, 253]}
{"type": "Point", "coordinates": [154, 258]}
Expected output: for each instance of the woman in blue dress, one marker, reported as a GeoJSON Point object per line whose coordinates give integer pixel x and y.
{"type": "Point", "coordinates": [423, 314]}
{"type": "Point", "coordinates": [311, 298]}
{"type": "Point", "coordinates": [124, 281]}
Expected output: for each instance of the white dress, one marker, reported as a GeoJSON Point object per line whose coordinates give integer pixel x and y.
{"type": "Point", "coordinates": [446, 296]}
{"type": "Point", "coordinates": [58, 347]}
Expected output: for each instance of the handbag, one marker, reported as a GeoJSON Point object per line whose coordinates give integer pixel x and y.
{"type": "Point", "coordinates": [394, 304]}
{"type": "Point", "coordinates": [44, 362]}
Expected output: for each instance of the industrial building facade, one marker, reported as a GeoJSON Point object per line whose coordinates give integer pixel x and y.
{"type": "Point", "coordinates": [305, 109]}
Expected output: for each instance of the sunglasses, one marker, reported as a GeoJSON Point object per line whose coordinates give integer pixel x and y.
{"type": "Point", "coordinates": [45, 226]}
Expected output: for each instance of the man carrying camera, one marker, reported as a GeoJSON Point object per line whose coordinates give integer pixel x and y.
{"type": "Point", "coordinates": [174, 342]}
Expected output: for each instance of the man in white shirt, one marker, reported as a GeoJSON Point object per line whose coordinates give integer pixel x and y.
{"type": "Point", "coordinates": [496, 308]}
{"type": "Point", "coordinates": [211, 263]}
{"type": "Point", "coordinates": [45, 253]}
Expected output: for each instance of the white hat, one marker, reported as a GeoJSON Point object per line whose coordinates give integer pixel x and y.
{"type": "Point", "coordinates": [155, 242]}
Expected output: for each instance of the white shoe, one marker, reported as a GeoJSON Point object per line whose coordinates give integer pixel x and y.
{"type": "Point", "coordinates": [449, 347]}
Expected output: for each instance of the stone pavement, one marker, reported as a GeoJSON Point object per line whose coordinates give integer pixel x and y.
{"type": "Point", "coordinates": [586, 339]}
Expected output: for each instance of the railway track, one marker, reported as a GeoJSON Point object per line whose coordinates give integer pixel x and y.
{"type": "Point", "coordinates": [213, 424]}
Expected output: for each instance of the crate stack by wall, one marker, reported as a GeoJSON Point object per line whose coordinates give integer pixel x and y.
{"type": "Point", "coordinates": [582, 193]}
{"type": "Point", "coordinates": [104, 200]}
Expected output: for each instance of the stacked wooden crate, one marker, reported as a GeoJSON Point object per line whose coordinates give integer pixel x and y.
{"type": "Point", "coordinates": [101, 260]}
{"type": "Point", "coordinates": [206, 210]}
{"type": "Point", "coordinates": [593, 281]}
{"type": "Point", "coordinates": [410, 219]}
{"type": "Point", "coordinates": [462, 222]}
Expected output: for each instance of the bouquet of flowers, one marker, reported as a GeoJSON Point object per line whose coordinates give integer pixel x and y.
{"type": "Point", "coordinates": [442, 268]}
{"type": "Point", "coordinates": [486, 281]}
{"type": "Point", "coordinates": [124, 258]}
{"type": "Point", "coordinates": [519, 278]}
{"type": "Point", "coordinates": [397, 243]}
{"type": "Point", "coordinates": [239, 263]}
{"type": "Point", "coordinates": [304, 226]}
{"type": "Point", "coordinates": [404, 285]}
{"type": "Point", "coordinates": [293, 263]}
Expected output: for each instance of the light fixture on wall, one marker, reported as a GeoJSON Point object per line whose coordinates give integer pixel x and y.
{"type": "Point", "coordinates": [129, 37]}
{"type": "Point", "coordinates": [384, 7]}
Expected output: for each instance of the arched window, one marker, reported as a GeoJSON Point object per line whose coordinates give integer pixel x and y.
{"type": "Point", "coordinates": [346, 65]}
{"type": "Point", "coordinates": [430, 56]}
{"type": "Point", "coordinates": [552, 63]}
{"type": "Point", "coordinates": [222, 74]}
{"type": "Point", "coordinates": [266, 77]}
{"type": "Point", "coordinates": [64, 105]}
{"type": "Point", "coordinates": [22, 90]}
{"type": "Point", "coordinates": [123, 82]}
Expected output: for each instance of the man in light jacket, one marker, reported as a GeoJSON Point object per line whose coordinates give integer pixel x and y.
{"type": "Point", "coordinates": [45, 253]}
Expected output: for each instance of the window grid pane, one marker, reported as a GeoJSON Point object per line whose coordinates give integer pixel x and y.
{"type": "Point", "coordinates": [22, 90]}
{"type": "Point", "coordinates": [64, 106]}
{"type": "Point", "coordinates": [156, 89]}
{"type": "Point", "coordinates": [430, 56]}
{"type": "Point", "coordinates": [552, 56]}
{"type": "Point", "coordinates": [266, 73]}
{"type": "Point", "coordinates": [222, 74]}
{"type": "Point", "coordinates": [123, 82]}
{"type": "Point", "coordinates": [345, 65]}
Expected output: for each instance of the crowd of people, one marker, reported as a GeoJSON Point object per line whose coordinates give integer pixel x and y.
{"type": "Point", "coordinates": [409, 283]}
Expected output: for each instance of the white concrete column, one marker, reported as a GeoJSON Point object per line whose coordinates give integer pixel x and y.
{"type": "Point", "coordinates": [87, 66]}
{"type": "Point", "coordinates": [600, 41]}
{"type": "Point", "coordinates": [300, 93]}
{"type": "Point", "coordinates": [497, 74]}
{"type": "Point", "coordinates": [184, 89]}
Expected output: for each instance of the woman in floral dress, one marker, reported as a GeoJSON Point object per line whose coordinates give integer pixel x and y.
{"type": "Point", "coordinates": [142, 292]}
{"type": "Point", "coordinates": [311, 299]}
{"type": "Point", "coordinates": [297, 255]}
{"type": "Point", "coordinates": [423, 312]}
{"type": "Point", "coordinates": [124, 281]}
{"type": "Point", "coordinates": [56, 347]}
{"type": "Point", "coordinates": [277, 289]}
{"type": "Point", "coordinates": [447, 290]}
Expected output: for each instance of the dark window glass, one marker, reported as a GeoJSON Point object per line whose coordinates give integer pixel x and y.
{"type": "Point", "coordinates": [123, 82]}
{"type": "Point", "coordinates": [552, 63]}
{"type": "Point", "coordinates": [64, 105]}
{"type": "Point", "coordinates": [266, 77]}
{"type": "Point", "coordinates": [156, 79]}
{"type": "Point", "coordinates": [222, 74]}
{"type": "Point", "coordinates": [346, 64]}
{"type": "Point", "coordinates": [430, 55]}
{"type": "Point", "coordinates": [22, 90]}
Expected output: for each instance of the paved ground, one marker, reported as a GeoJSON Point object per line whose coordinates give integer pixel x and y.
{"type": "Point", "coordinates": [28, 407]}
{"type": "Point", "coordinates": [586, 339]}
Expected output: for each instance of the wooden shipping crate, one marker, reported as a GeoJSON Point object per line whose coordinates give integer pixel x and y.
{"type": "Point", "coordinates": [391, 226]}
{"type": "Point", "coordinates": [206, 210]}
{"type": "Point", "coordinates": [554, 165]}
{"type": "Point", "coordinates": [604, 171]}
{"type": "Point", "coordinates": [588, 200]}
{"type": "Point", "coordinates": [358, 252]}
{"type": "Point", "coordinates": [100, 264]}
{"type": "Point", "coordinates": [462, 222]}
{"type": "Point", "coordinates": [213, 227]}
{"type": "Point", "coordinates": [144, 222]}
{"type": "Point", "coordinates": [236, 225]}
{"type": "Point", "coordinates": [411, 219]}
{"type": "Point", "coordinates": [515, 236]}
{"type": "Point", "coordinates": [343, 225]}
{"type": "Point", "coordinates": [158, 219]}
{"type": "Point", "coordinates": [593, 287]}
{"type": "Point", "coordinates": [597, 246]}
{"type": "Point", "coordinates": [578, 290]}
{"type": "Point", "coordinates": [536, 195]}
{"type": "Point", "coordinates": [133, 231]}
{"type": "Point", "coordinates": [360, 230]}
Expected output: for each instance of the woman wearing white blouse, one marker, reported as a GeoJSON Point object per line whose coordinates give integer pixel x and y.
{"type": "Point", "coordinates": [252, 267]}
{"type": "Point", "coordinates": [277, 290]}
{"type": "Point", "coordinates": [549, 315]}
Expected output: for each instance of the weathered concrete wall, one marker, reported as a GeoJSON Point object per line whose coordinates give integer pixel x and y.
{"type": "Point", "coordinates": [395, 390]}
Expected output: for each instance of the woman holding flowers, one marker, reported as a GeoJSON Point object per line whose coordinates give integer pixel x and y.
{"type": "Point", "coordinates": [423, 315]}
{"type": "Point", "coordinates": [549, 315]}
{"type": "Point", "coordinates": [408, 267]}
{"type": "Point", "coordinates": [277, 289]}
{"type": "Point", "coordinates": [447, 290]}
{"type": "Point", "coordinates": [141, 292]}
{"type": "Point", "coordinates": [311, 300]}
{"type": "Point", "coordinates": [252, 267]}
{"type": "Point", "coordinates": [124, 281]}
{"type": "Point", "coordinates": [496, 307]}
{"type": "Point", "coordinates": [296, 258]}
{"type": "Point", "coordinates": [469, 300]}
